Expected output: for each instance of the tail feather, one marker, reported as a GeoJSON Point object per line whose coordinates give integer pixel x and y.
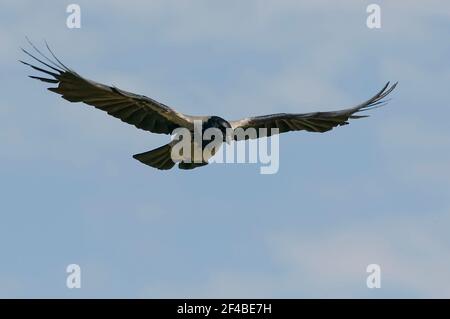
{"type": "Point", "coordinates": [159, 158]}
{"type": "Point", "coordinates": [185, 165]}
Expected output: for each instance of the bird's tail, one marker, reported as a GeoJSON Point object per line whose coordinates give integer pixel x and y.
{"type": "Point", "coordinates": [159, 158]}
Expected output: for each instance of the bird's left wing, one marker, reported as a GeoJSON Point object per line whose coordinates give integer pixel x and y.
{"type": "Point", "coordinates": [312, 122]}
{"type": "Point", "coordinates": [138, 110]}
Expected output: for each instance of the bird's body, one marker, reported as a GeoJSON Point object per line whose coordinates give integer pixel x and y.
{"type": "Point", "coordinates": [153, 116]}
{"type": "Point", "coordinates": [162, 157]}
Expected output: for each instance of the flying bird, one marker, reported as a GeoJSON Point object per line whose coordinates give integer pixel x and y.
{"type": "Point", "coordinates": [150, 115]}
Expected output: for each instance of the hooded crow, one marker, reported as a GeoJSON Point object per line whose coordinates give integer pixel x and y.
{"type": "Point", "coordinates": [155, 117]}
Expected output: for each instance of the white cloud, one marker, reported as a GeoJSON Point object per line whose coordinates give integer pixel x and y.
{"type": "Point", "coordinates": [332, 263]}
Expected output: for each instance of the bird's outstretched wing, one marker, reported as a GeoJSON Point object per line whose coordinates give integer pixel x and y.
{"type": "Point", "coordinates": [312, 122]}
{"type": "Point", "coordinates": [138, 110]}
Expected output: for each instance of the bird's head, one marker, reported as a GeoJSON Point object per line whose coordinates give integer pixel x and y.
{"type": "Point", "coordinates": [223, 125]}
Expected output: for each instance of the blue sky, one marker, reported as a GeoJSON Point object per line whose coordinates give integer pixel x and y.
{"type": "Point", "coordinates": [376, 191]}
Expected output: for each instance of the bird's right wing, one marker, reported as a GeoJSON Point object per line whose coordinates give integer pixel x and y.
{"type": "Point", "coordinates": [312, 122]}
{"type": "Point", "coordinates": [138, 110]}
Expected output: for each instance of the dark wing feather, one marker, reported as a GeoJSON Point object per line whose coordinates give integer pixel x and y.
{"type": "Point", "coordinates": [312, 122]}
{"type": "Point", "coordinates": [138, 110]}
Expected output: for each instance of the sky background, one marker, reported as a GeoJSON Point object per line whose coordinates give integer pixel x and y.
{"type": "Point", "coordinates": [375, 191]}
